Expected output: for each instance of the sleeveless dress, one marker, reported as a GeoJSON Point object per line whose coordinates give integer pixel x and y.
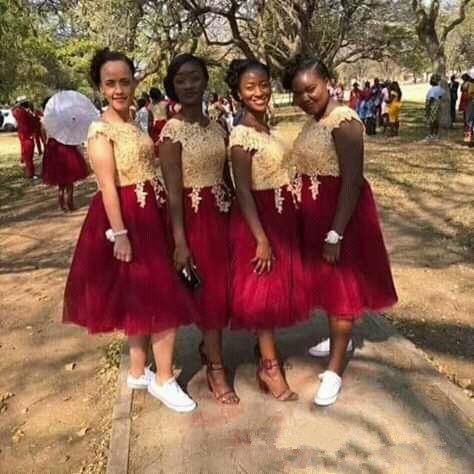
{"type": "Point", "coordinates": [275, 299]}
{"type": "Point", "coordinates": [361, 280]}
{"type": "Point", "coordinates": [206, 206]}
{"type": "Point", "coordinates": [146, 295]}
{"type": "Point", "coordinates": [62, 164]}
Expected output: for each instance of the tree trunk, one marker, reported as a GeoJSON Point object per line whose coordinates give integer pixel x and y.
{"type": "Point", "coordinates": [438, 60]}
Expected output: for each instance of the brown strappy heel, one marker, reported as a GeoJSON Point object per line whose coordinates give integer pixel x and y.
{"type": "Point", "coordinates": [287, 395]}
{"type": "Point", "coordinates": [227, 398]}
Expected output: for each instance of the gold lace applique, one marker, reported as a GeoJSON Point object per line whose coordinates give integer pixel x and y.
{"type": "Point", "coordinates": [203, 154]}
{"type": "Point", "coordinates": [221, 195]}
{"type": "Point", "coordinates": [133, 151]}
{"type": "Point", "coordinates": [279, 199]}
{"type": "Point", "coordinates": [141, 194]}
{"type": "Point", "coordinates": [196, 198]}
{"type": "Point", "coordinates": [296, 189]}
{"type": "Point", "coordinates": [270, 162]}
{"type": "Point", "coordinates": [314, 152]}
{"type": "Point", "coordinates": [314, 188]}
{"type": "Point", "coordinates": [160, 192]}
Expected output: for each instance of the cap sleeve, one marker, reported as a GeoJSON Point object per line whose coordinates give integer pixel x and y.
{"type": "Point", "coordinates": [99, 128]}
{"type": "Point", "coordinates": [340, 115]}
{"type": "Point", "coordinates": [173, 130]}
{"type": "Point", "coordinates": [246, 138]}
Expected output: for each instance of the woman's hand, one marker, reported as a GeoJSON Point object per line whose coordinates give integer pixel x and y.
{"type": "Point", "coordinates": [182, 257]}
{"type": "Point", "coordinates": [122, 249]}
{"type": "Point", "coordinates": [331, 252]}
{"type": "Point", "coordinates": [263, 257]}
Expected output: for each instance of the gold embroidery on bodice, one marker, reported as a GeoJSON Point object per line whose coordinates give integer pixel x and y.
{"type": "Point", "coordinates": [203, 158]}
{"type": "Point", "coordinates": [314, 152]}
{"type": "Point", "coordinates": [133, 151]}
{"type": "Point", "coordinates": [270, 161]}
{"type": "Point", "coordinates": [203, 151]}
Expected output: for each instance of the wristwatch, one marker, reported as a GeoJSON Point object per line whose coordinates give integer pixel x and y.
{"type": "Point", "coordinates": [332, 237]}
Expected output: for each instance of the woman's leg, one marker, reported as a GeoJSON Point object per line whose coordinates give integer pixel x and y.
{"type": "Point", "coordinates": [70, 196]}
{"type": "Point", "coordinates": [138, 352]}
{"type": "Point", "coordinates": [61, 201]}
{"type": "Point", "coordinates": [163, 344]}
{"type": "Point", "coordinates": [270, 372]}
{"type": "Point", "coordinates": [340, 332]}
{"type": "Point", "coordinates": [216, 373]}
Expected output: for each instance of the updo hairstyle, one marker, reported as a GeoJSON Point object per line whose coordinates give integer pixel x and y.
{"type": "Point", "coordinates": [103, 56]}
{"type": "Point", "coordinates": [237, 68]}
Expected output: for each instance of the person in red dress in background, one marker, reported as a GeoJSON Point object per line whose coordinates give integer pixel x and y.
{"type": "Point", "coordinates": [159, 111]}
{"type": "Point", "coordinates": [63, 165]}
{"type": "Point", "coordinates": [354, 96]}
{"type": "Point", "coordinates": [38, 133]}
{"type": "Point", "coordinates": [193, 163]}
{"type": "Point", "coordinates": [26, 130]}
{"type": "Point", "coordinates": [122, 275]}
{"type": "Point", "coordinates": [266, 268]}
{"type": "Point", "coordinates": [346, 263]}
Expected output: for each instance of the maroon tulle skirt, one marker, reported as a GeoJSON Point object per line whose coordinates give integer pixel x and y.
{"type": "Point", "coordinates": [62, 164]}
{"type": "Point", "coordinates": [207, 233]}
{"type": "Point", "coordinates": [361, 280]}
{"type": "Point", "coordinates": [142, 297]}
{"type": "Point", "coordinates": [276, 299]}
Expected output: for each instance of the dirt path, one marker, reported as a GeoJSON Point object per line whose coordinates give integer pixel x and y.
{"type": "Point", "coordinates": [57, 384]}
{"type": "Point", "coordinates": [55, 390]}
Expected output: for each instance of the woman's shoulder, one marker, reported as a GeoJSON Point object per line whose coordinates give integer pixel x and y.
{"type": "Point", "coordinates": [339, 115]}
{"type": "Point", "coordinates": [173, 130]}
{"type": "Point", "coordinates": [99, 127]}
{"type": "Point", "coordinates": [247, 137]}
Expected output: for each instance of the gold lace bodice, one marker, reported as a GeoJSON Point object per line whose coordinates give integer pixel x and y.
{"type": "Point", "coordinates": [203, 154]}
{"type": "Point", "coordinates": [314, 152]}
{"type": "Point", "coordinates": [133, 151]}
{"type": "Point", "coordinates": [270, 162]}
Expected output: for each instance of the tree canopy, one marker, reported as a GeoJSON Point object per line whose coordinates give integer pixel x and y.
{"type": "Point", "coordinates": [47, 44]}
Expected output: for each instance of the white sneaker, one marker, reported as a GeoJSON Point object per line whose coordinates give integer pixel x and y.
{"type": "Point", "coordinates": [328, 389]}
{"type": "Point", "coordinates": [171, 395]}
{"type": "Point", "coordinates": [140, 383]}
{"type": "Point", "coordinates": [322, 349]}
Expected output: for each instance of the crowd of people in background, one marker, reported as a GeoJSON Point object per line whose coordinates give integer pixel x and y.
{"type": "Point", "coordinates": [378, 105]}
{"type": "Point", "coordinates": [434, 98]}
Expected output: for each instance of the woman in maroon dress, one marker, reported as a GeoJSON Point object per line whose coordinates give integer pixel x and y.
{"type": "Point", "coordinates": [122, 275]}
{"type": "Point", "coordinates": [346, 264]}
{"type": "Point", "coordinates": [63, 165]}
{"type": "Point", "coordinates": [193, 162]}
{"type": "Point", "coordinates": [267, 271]}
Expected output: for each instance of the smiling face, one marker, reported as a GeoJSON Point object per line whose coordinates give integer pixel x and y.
{"type": "Point", "coordinates": [118, 85]}
{"type": "Point", "coordinates": [310, 92]}
{"type": "Point", "coordinates": [255, 90]}
{"type": "Point", "coordinates": [190, 83]}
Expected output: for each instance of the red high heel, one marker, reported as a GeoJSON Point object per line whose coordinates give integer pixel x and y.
{"type": "Point", "coordinates": [227, 398]}
{"type": "Point", "coordinates": [287, 395]}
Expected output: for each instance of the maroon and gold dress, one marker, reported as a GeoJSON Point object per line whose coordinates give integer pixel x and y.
{"type": "Point", "coordinates": [206, 206]}
{"type": "Point", "coordinates": [146, 295]}
{"type": "Point", "coordinates": [275, 299]}
{"type": "Point", "coordinates": [361, 280]}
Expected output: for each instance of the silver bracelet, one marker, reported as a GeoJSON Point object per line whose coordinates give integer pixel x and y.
{"type": "Point", "coordinates": [110, 234]}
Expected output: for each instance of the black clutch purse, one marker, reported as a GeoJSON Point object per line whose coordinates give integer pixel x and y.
{"type": "Point", "coordinates": [191, 278]}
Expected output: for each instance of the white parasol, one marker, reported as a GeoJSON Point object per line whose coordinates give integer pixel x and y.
{"type": "Point", "coordinates": [67, 117]}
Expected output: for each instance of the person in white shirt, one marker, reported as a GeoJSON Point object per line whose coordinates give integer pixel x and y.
{"type": "Point", "coordinates": [433, 106]}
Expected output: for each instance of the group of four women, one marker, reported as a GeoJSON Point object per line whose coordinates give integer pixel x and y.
{"type": "Point", "coordinates": [267, 239]}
